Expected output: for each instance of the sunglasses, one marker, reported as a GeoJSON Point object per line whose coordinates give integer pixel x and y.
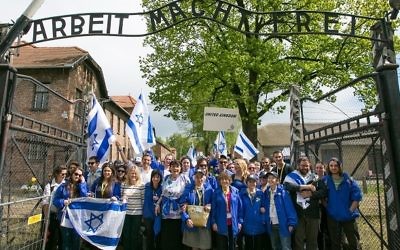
{"type": "Point", "coordinates": [91, 162]}
{"type": "Point", "coordinates": [121, 171]}
{"type": "Point", "coordinates": [76, 174]}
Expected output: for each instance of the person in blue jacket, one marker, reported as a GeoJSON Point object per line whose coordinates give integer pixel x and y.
{"type": "Point", "coordinates": [196, 194]}
{"type": "Point", "coordinates": [344, 196]}
{"type": "Point", "coordinates": [210, 180]}
{"type": "Point", "coordinates": [252, 213]}
{"type": "Point", "coordinates": [280, 214]}
{"type": "Point", "coordinates": [106, 186]}
{"type": "Point", "coordinates": [225, 210]}
{"type": "Point", "coordinates": [152, 221]}
{"type": "Point", "coordinates": [73, 187]}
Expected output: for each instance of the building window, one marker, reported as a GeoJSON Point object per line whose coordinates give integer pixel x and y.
{"type": "Point", "coordinates": [119, 125]}
{"type": "Point", "coordinates": [37, 149]}
{"type": "Point", "coordinates": [41, 98]}
{"type": "Point", "coordinates": [79, 104]}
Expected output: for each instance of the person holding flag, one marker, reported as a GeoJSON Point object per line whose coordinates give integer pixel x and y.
{"type": "Point", "coordinates": [100, 134]}
{"type": "Point", "coordinates": [73, 187]}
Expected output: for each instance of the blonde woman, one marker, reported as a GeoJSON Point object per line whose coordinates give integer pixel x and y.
{"type": "Point", "coordinates": [133, 193]}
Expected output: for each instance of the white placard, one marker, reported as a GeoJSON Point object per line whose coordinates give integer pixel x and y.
{"type": "Point", "coordinates": [220, 119]}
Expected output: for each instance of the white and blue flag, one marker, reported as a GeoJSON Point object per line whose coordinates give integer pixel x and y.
{"type": "Point", "coordinates": [192, 155]}
{"type": "Point", "coordinates": [98, 221]}
{"type": "Point", "coordinates": [220, 144]}
{"type": "Point", "coordinates": [244, 147]}
{"type": "Point", "coordinates": [100, 134]}
{"type": "Point", "coordinates": [139, 128]}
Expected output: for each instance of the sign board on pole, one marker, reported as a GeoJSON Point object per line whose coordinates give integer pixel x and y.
{"type": "Point", "coordinates": [220, 119]}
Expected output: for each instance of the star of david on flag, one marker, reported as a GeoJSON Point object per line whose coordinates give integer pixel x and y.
{"type": "Point", "coordinates": [139, 127]}
{"type": "Point", "coordinates": [98, 221]}
{"type": "Point", "coordinates": [220, 144]}
{"type": "Point", "coordinates": [100, 134]}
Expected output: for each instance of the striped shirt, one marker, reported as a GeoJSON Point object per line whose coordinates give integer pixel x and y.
{"type": "Point", "coordinates": [134, 196]}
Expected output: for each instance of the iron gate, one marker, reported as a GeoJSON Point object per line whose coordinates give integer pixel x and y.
{"type": "Point", "coordinates": [34, 148]}
{"type": "Point", "coordinates": [357, 137]}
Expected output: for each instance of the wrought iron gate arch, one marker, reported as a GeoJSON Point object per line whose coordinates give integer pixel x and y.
{"type": "Point", "coordinates": [64, 141]}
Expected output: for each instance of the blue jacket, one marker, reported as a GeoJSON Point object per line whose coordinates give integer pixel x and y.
{"type": "Point", "coordinates": [189, 197]}
{"type": "Point", "coordinates": [339, 200]}
{"type": "Point", "coordinates": [211, 182]}
{"type": "Point", "coordinates": [149, 202]}
{"type": "Point", "coordinates": [62, 193]}
{"type": "Point", "coordinates": [253, 219]}
{"type": "Point", "coordinates": [115, 189]}
{"type": "Point", "coordinates": [240, 185]}
{"type": "Point", "coordinates": [284, 208]}
{"type": "Point", "coordinates": [218, 211]}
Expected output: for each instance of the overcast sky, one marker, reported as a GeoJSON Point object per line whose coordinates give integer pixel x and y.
{"type": "Point", "coordinates": [117, 56]}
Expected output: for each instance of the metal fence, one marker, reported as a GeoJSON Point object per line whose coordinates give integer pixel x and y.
{"type": "Point", "coordinates": [45, 132]}
{"type": "Point", "coordinates": [348, 125]}
{"type": "Point", "coordinates": [22, 224]}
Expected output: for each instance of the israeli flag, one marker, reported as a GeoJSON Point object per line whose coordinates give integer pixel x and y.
{"type": "Point", "coordinates": [100, 134]}
{"type": "Point", "coordinates": [192, 155]}
{"type": "Point", "coordinates": [98, 221]}
{"type": "Point", "coordinates": [220, 144]}
{"type": "Point", "coordinates": [244, 147]}
{"type": "Point", "coordinates": [139, 128]}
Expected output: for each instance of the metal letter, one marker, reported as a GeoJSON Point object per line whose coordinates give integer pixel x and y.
{"type": "Point", "coordinates": [54, 22]}
{"type": "Point", "coordinates": [92, 22]}
{"type": "Point", "coordinates": [77, 29]}
{"type": "Point", "coordinates": [330, 18]}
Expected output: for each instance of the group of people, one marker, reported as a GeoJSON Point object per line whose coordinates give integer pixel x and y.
{"type": "Point", "coordinates": [250, 205]}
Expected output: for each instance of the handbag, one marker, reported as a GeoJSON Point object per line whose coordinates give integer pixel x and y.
{"type": "Point", "coordinates": [198, 216]}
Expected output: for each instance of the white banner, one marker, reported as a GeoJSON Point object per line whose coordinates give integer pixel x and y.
{"type": "Point", "coordinates": [220, 119]}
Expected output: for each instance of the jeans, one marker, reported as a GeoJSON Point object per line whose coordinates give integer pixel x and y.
{"type": "Point", "coordinates": [350, 230]}
{"type": "Point", "coordinates": [278, 241]}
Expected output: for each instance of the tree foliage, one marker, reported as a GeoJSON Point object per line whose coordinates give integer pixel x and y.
{"type": "Point", "coordinates": [199, 63]}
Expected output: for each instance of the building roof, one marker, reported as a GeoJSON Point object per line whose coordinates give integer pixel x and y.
{"type": "Point", "coordinates": [34, 57]}
{"type": "Point", "coordinates": [275, 134]}
{"type": "Point", "coordinates": [278, 134]}
{"type": "Point", "coordinates": [31, 56]}
{"type": "Point", "coordinates": [126, 102]}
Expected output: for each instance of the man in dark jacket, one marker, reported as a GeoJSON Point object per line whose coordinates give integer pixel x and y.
{"type": "Point", "coordinates": [306, 191]}
{"type": "Point", "coordinates": [281, 167]}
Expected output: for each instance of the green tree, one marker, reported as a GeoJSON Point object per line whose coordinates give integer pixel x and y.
{"type": "Point", "coordinates": [200, 63]}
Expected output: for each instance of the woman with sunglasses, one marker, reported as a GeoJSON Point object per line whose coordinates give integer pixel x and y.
{"type": "Point", "coordinates": [73, 187]}
{"type": "Point", "coordinates": [53, 229]}
{"type": "Point", "coordinates": [106, 186]}
{"type": "Point", "coordinates": [121, 172]}
{"type": "Point", "coordinates": [210, 180]}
